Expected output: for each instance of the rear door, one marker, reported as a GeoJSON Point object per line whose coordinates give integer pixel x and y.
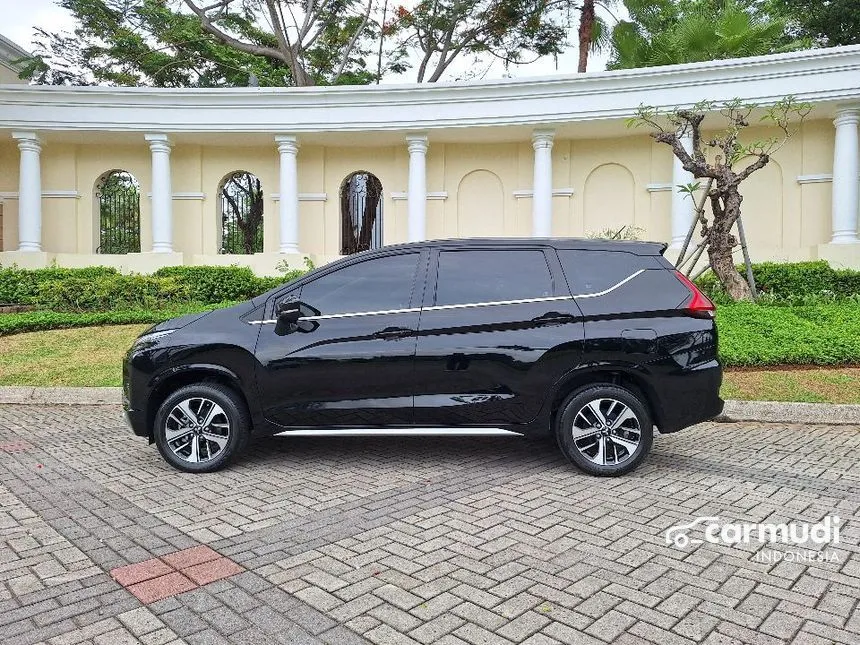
{"type": "Point", "coordinates": [497, 327]}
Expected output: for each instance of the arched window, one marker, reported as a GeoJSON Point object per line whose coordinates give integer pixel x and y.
{"type": "Point", "coordinates": [360, 213]}
{"type": "Point", "coordinates": [118, 195]}
{"type": "Point", "coordinates": [241, 213]}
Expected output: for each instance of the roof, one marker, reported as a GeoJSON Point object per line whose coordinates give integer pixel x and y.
{"type": "Point", "coordinates": [10, 51]}
{"type": "Point", "coordinates": [628, 246]}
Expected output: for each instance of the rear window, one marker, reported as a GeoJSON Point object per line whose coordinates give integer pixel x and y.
{"type": "Point", "coordinates": [491, 276]}
{"type": "Point", "coordinates": [593, 271]}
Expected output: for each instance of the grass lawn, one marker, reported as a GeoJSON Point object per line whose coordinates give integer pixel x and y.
{"type": "Point", "coordinates": [88, 356]}
{"type": "Point", "coordinates": [93, 356]}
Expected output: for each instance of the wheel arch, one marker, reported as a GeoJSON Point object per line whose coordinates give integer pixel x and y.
{"type": "Point", "coordinates": [178, 377]}
{"type": "Point", "coordinates": [622, 375]}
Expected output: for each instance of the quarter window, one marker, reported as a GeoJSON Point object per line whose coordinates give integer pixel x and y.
{"type": "Point", "coordinates": [594, 271]}
{"type": "Point", "coordinates": [491, 276]}
{"type": "Point", "coordinates": [379, 284]}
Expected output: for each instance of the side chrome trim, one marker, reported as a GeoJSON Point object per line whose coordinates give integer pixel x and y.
{"type": "Point", "coordinates": [403, 432]}
{"type": "Point", "coordinates": [468, 305]}
{"type": "Point", "coordinates": [610, 289]}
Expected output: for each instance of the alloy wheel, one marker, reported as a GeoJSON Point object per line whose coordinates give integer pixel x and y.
{"type": "Point", "coordinates": [606, 432]}
{"type": "Point", "coordinates": [197, 429]}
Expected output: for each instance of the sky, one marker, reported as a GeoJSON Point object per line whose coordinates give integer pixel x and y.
{"type": "Point", "coordinates": [20, 16]}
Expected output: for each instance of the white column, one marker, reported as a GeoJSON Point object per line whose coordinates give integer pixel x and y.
{"type": "Point", "coordinates": [846, 184]}
{"type": "Point", "coordinates": [542, 183]}
{"type": "Point", "coordinates": [417, 190]}
{"type": "Point", "coordinates": [162, 194]}
{"type": "Point", "coordinates": [288, 201]}
{"type": "Point", "coordinates": [683, 208]}
{"type": "Point", "coordinates": [29, 192]}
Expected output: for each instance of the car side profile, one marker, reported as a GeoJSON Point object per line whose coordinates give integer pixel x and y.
{"type": "Point", "coordinates": [593, 342]}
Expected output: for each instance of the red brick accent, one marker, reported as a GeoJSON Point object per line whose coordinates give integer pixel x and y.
{"type": "Point", "coordinates": [174, 573]}
{"type": "Point", "coordinates": [161, 587]}
{"type": "Point", "coordinates": [190, 557]}
{"type": "Point", "coordinates": [208, 572]}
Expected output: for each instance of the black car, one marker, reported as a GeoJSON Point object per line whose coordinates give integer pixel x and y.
{"type": "Point", "coordinates": [594, 342]}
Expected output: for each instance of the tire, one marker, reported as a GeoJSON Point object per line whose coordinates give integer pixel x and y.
{"type": "Point", "coordinates": [177, 428]}
{"type": "Point", "coordinates": [605, 444]}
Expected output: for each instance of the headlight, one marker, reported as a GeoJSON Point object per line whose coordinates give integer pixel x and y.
{"type": "Point", "coordinates": [153, 336]}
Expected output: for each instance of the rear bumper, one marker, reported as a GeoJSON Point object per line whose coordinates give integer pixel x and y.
{"type": "Point", "coordinates": [690, 396]}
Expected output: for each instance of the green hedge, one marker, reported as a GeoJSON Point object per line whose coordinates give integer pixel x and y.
{"type": "Point", "coordinates": [104, 288]}
{"type": "Point", "coordinates": [794, 282]}
{"type": "Point", "coordinates": [824, 334]}
{"type": "Point", "coordinates": [21, 286]}
{"type": "Point", "coordinates": [112, 293]}
{"type": "Point", "coordinates": [219, 283]}
{"type": "Point", "coordinates": [44, 320]}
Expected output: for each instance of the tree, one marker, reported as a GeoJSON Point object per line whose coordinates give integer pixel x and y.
{"type": "Point", "coordinates": [825, 22]}
{"type": "Point", "coordinates": [726, 163]}
{"type": "Point", "coordinates": [320, 41]}
{"type": "Point", "coordinates": [242, 202]}
{"type": "Point", "coordinates": [508, 30]}
{"type": "Point", "coordinates": [145, 42]}
{"type": "Point", "coordinates": [667, 32]}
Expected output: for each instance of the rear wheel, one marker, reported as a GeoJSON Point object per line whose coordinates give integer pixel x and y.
{"type": "Point", "coordinates": [202, 427]}
{"type": "Point", "coordinates": [605, 430]}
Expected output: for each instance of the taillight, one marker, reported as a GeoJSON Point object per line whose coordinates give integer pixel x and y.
{"type": "Point", "coordinates": [699, 305]}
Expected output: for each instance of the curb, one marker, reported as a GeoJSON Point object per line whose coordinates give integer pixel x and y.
{"type": "Point", "coordinates": [61, 395]}
{"type": "Point", "coordinates": [784, 412]}
{"type": "Point", "coordinates": [761, 411]}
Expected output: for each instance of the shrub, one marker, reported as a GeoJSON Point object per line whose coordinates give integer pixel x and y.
{"type": "Point", "coordinates": [211, 284]}
{"type": "Point", "coordinates": [793, 283]}
{"type": "Point", "coordinates": [824, 334]}
{"type": "Point", "coordinates": [43, 320]}
{"type": "Point", "coordinates": [111, 293]}
{"type": "Point", "coordinates": [21, 286]}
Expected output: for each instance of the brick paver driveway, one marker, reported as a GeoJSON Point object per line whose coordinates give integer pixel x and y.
{"type": "Point", "coordinates": [391, 541]}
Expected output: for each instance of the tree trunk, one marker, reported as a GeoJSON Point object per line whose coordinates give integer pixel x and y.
{"type": "Point", "coordinates": [721, 242]}
{"type": "Point", "coordinates": [586, 33]}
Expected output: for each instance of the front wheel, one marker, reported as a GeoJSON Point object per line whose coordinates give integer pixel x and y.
{"type": "Point", "coordinates": [202, 427]}
{"type": "Point", "coordinates": [605, 430]}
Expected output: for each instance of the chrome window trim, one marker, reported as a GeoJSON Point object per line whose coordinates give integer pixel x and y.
{"type": "Point", "coordinates": [468, 305]}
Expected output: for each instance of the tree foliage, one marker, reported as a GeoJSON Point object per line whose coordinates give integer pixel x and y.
{"type": "Point", "coordinates": [210, 43]}
{"type": "Point", "coordinates": [825, 22]}
{"type": "Point", "coordinates": [667, 32]}
{"type": "Point", "coordinates": [146, 42]}
{"type": "Point", "coordinates": [513, 31]}
{"type": "Point", "coordinates": [725, 162]}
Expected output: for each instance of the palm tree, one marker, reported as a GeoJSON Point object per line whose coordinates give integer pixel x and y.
{"type": "Point", "coordinates": [593, 31]}
{"type": "Point", "coordinates": [708, 30]}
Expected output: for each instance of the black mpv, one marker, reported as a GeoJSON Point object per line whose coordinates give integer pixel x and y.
{"type": "Point", "coordinates": [594, 342]}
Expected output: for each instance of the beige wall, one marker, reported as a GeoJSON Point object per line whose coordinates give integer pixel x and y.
{"type": "Point", "coordinates": [609, 178]}
{"type": "Point", "coordinates": [9, 75]}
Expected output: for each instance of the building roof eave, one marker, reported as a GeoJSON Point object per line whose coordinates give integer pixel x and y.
{"type": "Point", "coordinates": [820, 76]}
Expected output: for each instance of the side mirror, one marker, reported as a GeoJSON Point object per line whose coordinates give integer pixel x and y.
{"type": "Point", "coordinates": [289, 313]}
{"type": "Point", "coordinates": [290, 317]}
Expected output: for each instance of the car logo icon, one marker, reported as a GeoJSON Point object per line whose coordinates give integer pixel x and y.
{"type": "Point", "coordinates": [677, 535]}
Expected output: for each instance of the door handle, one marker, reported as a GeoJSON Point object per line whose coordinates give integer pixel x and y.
{"type": "Point", "coordinates": [394, 332]}
{"type": "Point", "coordinates": [554, 318]}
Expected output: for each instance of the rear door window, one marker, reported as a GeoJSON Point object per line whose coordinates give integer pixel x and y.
{"type": "Point", "coordinates": [476, 276]}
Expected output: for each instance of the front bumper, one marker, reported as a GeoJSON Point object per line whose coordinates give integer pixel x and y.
{"type": "Point", "coordinates": [136, 420]}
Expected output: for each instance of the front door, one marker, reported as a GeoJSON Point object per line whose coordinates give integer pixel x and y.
{"type": "Point", "coordinates": [352, 363]}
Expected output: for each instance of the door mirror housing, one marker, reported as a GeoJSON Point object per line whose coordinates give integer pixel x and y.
{"type": "Point", "coordinates": [288, 313]}
{"type": "Point", "coordinates": [290, 317]}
